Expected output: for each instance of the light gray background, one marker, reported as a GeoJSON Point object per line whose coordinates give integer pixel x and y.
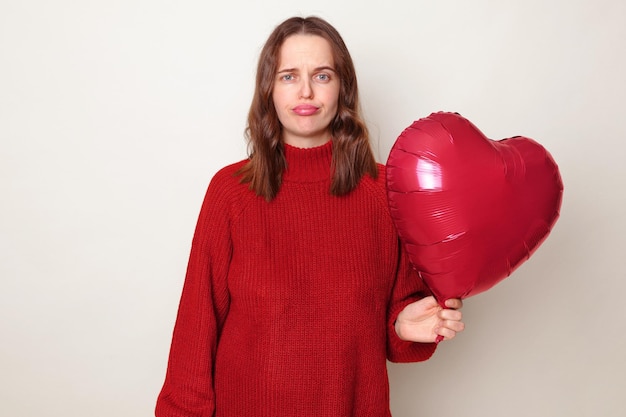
{"type": "Point", "coordinates": [115, 114]}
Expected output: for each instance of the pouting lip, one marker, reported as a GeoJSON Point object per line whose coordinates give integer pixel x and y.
{"type": "Point", "coordinates": [305, 109]}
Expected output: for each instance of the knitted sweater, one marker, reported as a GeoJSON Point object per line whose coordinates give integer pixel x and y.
{"type": "Point", "coordinates": [288, 306]}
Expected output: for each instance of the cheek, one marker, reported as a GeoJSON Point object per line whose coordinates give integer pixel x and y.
{"type": "Point", "coordinates": [333, 105]}
{"type": "Point", "coordinates": [280, 101]}
{"type": "Point", "coordinates": [281, 114]}
{"type": "Point", "coordinates": [277, 103]}
{"type": "Point", "coordinates": [333, 99]}
{"type": "Point", "coordinates": [278, 106]}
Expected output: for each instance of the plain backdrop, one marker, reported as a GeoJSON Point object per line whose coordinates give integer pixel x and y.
{"type": "Point", "coordinates": [115, 114]}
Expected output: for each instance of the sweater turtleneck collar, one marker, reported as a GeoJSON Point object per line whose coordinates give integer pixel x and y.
{"type": "Point", "coordinates": [308, 164]}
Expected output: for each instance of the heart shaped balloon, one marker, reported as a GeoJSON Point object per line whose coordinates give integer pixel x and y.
{"type": "Point", "coordinates": [468, 209]}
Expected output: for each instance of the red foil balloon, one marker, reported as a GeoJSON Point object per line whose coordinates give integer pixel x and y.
{"type": "Point", "coordinates": [468, 209]}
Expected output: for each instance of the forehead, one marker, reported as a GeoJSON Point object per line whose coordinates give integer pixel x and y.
{"type": "Point", "coordinates": [298, 50]}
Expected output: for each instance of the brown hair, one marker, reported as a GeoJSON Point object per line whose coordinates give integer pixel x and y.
{"type": "Point", "coordinates": [352, 155]}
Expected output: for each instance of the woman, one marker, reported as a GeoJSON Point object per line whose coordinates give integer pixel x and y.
{"type": "Point", "coordinates": [297, 289]}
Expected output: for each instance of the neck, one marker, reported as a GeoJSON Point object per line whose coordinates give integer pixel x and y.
{"type": "Point", "coordinates": [306, 142]}
{"type": "Point", "coordinates": [308, 164]}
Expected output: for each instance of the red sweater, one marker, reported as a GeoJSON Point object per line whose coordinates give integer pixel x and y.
{"type": "Point", "coordinates": [288, 307]}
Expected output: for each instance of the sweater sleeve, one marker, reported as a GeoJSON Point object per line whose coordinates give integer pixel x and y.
{"type": "Point", "coordinates": [188, 387]}
{"type": "Point", "coordinates": [409, 287]}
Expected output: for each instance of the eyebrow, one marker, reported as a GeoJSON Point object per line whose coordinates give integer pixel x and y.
{"type": "Point", "coordinates": [322, 68]}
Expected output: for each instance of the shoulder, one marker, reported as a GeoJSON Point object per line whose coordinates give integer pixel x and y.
{"type": "Point", "coordinates": [380, 182]}
{"type": "Point", "coordinates": [228, 173]}
{"type": "Point", "coordinates": [377, 187]}
{"type": "Point", "coordinates": [227, 180]}
{"type": "Point", "coordinates": [382, 172]}
{"type": "Point", "coordinates": [225, 190]}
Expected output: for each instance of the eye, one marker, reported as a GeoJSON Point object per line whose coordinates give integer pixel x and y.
{"type": "Point", "coordinates": [323, 77]}
{"type": "Point", "coordinates": [287, 77]}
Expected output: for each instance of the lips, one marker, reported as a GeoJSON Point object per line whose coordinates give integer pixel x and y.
{"type": "Point", "coordinates": [305, 110]}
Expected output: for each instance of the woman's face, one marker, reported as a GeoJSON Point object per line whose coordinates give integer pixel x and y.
{"type": "Point", "coordinates": [306, 90]}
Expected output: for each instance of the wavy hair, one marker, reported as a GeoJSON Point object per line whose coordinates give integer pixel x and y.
{"type": "Point", "coordinates": [352, 156]}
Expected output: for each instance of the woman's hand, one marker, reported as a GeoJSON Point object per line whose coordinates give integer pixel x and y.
{"type": "Point", "coordinates": [424, 320]}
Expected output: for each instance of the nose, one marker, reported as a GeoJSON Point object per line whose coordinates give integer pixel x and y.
{"type": "Point", "coordinates": [306, 90]}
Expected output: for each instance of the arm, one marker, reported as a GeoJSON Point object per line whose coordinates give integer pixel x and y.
{"type": "Point", "coordinates": [188, 387]}
{"type": "Point", "coordinates": [408, 289]}
{"type": "Point", "coordinates": [416, 319]}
